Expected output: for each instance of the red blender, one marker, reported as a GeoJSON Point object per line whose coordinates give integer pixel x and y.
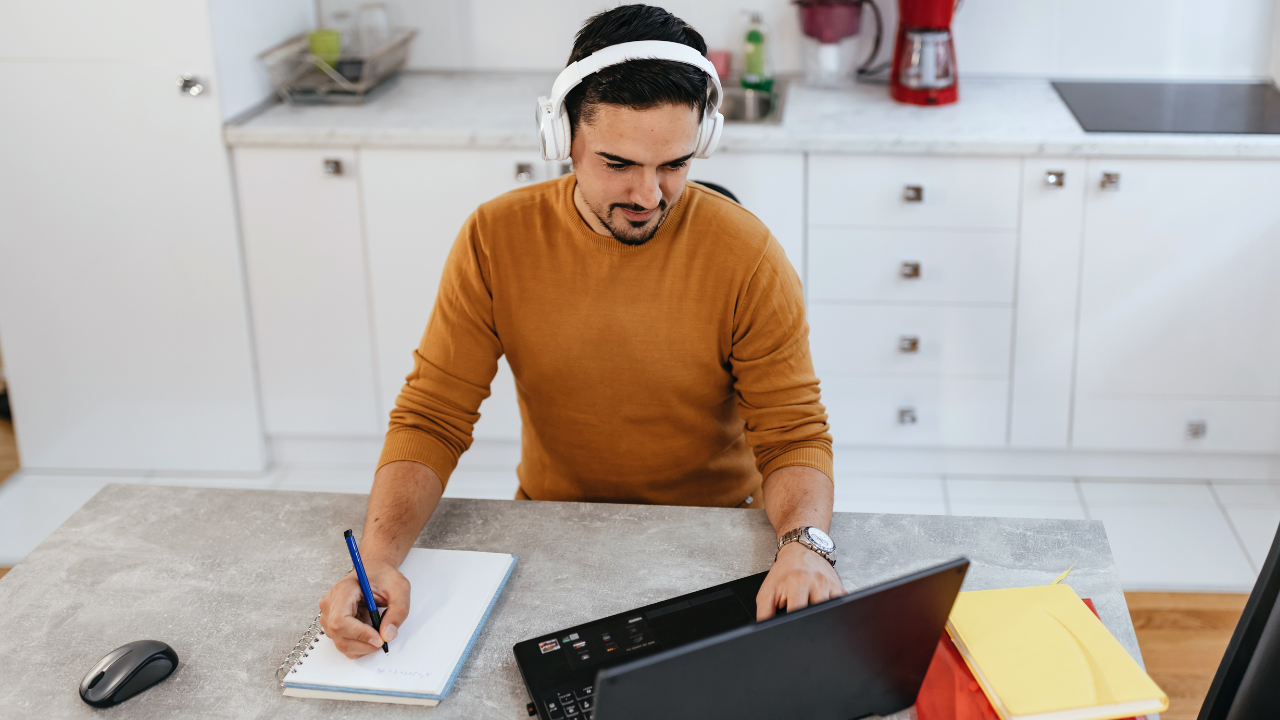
{"type": "Point", "coordinates": [924, 59]}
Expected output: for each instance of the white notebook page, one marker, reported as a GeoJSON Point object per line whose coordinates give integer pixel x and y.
{"type": "Point", "coordinates": [450, 593]}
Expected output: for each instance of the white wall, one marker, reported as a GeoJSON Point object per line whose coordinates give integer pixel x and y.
{"type": "Point", "coordinates": [241, 30]}
{"type": "Point", "coordinates": [1061, 38]}
{"type": "Point", "coordinates": [1275, 43]}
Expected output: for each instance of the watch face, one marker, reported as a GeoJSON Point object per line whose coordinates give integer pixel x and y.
{"type": "Point", "coordinates": [820, 539]}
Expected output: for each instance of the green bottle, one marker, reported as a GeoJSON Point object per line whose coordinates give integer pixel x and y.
{"type": "Point", "coordinates": [753, 71]}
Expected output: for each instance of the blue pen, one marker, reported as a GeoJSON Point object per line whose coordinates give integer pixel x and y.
{"type": "Point", "coordinates": [364, 585]}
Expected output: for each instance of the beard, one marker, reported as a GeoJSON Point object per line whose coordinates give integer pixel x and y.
{"type": "Point", "coordinates": [625, 231]}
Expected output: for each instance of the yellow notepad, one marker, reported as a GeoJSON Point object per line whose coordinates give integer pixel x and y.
{"type": "Point", "coordinates": [1040, 654]}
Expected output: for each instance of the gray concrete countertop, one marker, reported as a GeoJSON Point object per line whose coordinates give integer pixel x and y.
{"type": "Point", "coordinates": [231, 578]}
{"type": "Point", "coordinates": [995, 116]}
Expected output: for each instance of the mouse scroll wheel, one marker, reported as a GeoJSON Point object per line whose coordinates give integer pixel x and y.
{"type": "Point", "coordinates": [96, 679]}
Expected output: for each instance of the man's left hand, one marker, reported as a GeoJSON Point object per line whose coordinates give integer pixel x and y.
{"type": "Point", "coordinates": [799, 578]}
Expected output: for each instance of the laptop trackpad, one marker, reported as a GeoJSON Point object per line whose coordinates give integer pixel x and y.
{"type": "Point", "coordinates": [697, 618]}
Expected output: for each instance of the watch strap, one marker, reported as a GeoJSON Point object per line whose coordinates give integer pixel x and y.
{"type": "Point", "coordinates": [796, 535]}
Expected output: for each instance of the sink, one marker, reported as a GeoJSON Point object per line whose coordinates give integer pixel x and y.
{"type": "Point", "coordinates": [753, 107]}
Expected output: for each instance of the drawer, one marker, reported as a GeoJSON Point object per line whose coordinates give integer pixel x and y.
{"type": "Point", "coordinates": [1155, 423]}
{"type": "Point", "coordinates": [911, 265]}
{"type": "Point", "coordinates": [910, 341]}
{"type": "Point", "coordinates": [877, 191]}
{"type": "Point", "coordinates": [940, 412]}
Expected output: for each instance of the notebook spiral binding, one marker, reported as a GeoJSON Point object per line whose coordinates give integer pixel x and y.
{"type": "Point", "coordinates": [300, 650]}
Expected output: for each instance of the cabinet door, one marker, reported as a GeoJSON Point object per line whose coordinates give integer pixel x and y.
{"type": "Point", "coordinates": [1179, 297]}
{"type": "Point", "coordinates": [122, 299]}
{"type": "Point", "coordinates": [914, 192]}
{"type": "Point", "coordinates": [910, 341]}
{"type": "Point", "coordinates": [415, 204]}
{"type": "Point", "coordinates": [770, 185]}
{"type": "Point", "coordinates": [911, 266]}
{"type": "Point", "coordinates": [1053, 192]}
{"type": "Point", "coordinates": [304, 257]}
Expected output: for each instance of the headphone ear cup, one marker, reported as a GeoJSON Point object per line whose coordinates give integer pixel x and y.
{"type": "Point", "coordinates": [564, 134]}
{"type": "Point", "coordinates": [709, 135]}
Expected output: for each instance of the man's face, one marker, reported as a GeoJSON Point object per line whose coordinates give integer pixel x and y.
{"type": "Point", "coordinates": [631, 166]}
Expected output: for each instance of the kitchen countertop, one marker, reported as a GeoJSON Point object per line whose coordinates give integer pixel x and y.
{"type": "Point", "coordinates": [231, 578]}
{"type": "Point", "coordinates": [995, 116]}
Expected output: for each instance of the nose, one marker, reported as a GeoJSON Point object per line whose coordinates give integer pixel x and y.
{"type": "Point", "coordinates": [646, 191]}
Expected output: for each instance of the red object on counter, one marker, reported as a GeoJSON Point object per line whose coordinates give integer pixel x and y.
{"type": "Point", "coordinates": [950, 692]}
{"type": "Point", "coordinates": [924, 58]}
{"type": "Point", "coordinates": [830, 21]}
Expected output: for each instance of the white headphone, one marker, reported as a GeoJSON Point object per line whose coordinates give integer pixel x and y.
{"type": "Point", "coordinates": [553, 120]}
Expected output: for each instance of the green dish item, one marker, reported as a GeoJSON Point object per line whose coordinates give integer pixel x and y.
{"type": "Point", "coordinates": [326, 44]}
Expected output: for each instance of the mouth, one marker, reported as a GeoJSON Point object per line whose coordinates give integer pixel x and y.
{"type": "Point", "coordinates": [637, 216]}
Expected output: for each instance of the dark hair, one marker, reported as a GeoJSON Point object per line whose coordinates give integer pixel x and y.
{"type": "Point", "coordinates": [637, 84]}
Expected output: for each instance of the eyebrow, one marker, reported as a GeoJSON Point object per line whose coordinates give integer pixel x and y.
{"type": "Point", "coordinates": [624, 161]}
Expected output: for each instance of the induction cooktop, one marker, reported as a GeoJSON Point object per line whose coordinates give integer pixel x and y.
{"type": "Point", "coordinates": [1173, 107]}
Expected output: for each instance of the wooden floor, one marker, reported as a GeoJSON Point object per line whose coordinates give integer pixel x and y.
{"type": "Point", "coordinates": [8, 459]}
{"type": "Point", "coordinates": [8, 450]}
{"type": "Point", "coordinates": [1183, 637]}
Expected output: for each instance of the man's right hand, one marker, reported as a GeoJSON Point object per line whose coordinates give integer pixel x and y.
{"type": "Point", "coordinates": [346, 620]}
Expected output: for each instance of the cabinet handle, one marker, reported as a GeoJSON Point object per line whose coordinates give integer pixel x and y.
{"type": "Point", "coordinates": [524, 172]}
{"type": "Point", "coordinates": [907, 416]}
{"type": "Point", "coordinates": [908, 344]}
{"type": "Point", "coordinates": [1110, 181]}
{"type": "Point", "coordinates": [1197, 429]}
{"type": "Point", "coordinates": [1055, 178]}
{"type": "Point", "coordinates": [190, 85]}
{"type": "Point", "coordinates": [913, 193]}
{"type": "Point", "coordinates": [910, 270]}
{"type": "Point", "coordinates": [333, 166]}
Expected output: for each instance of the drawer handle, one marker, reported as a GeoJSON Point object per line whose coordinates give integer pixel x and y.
{"type": "Point", "coordinates": [1197, 429]}
{"type": "Point", "coordinates": [913, 193]}
{"type": "Point", "coordinates": [1055, 178]}
{"type": "Point", "coordinates": [910, 270]}
{"type": "Point", "coordinates": [524, 172]}
{"type": "Point", "coordinates": [908, 344]}
{"type": "Point", "coordinates": [1111, 181]}
{"type": "Point", "coordinates": [907, 416]}
{"type": "Point", "coordinates": [332, 166]}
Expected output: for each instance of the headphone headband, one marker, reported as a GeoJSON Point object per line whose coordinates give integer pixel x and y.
{"type": "Point", "coordinates": [553, 122]}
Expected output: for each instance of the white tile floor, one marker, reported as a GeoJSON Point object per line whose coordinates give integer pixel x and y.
{"type": "Point", "coordinates": [1208, 535]}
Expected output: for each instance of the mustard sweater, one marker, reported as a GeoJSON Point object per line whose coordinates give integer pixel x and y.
{"type": "Point", "coordinates": [675, 372]}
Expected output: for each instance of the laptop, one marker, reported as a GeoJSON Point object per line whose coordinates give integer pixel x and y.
{"type": "Point", "coordinates": [702, 655]}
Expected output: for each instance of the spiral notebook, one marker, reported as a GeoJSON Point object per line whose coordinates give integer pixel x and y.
{"type": "Point", "coordinates": [453, 592]}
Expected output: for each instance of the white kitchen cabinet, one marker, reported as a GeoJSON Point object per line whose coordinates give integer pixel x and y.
{"type": "Point", "coordinates": [911, 288]}
{"type": "Point", "coordinates": [415, 203]}
{"type": "Point", "coordinates": [1164, 423]}
{"type": "Point", "coordinates": [1179, 305]}
{"type": "Point", "coordinates": [122, 301]}
{"type": "Point", "coordinates": [911, 266]}
{"type": "Point", "coordinates": [960, 193]}
{"type": "Point", "coordinates": [1053, 194]}
{"type": "Point", "coordinates": [770, 185]}
{"type": "Point", "coordinates": [916, 412]}
{"type": "Point", "coordinates": [910, 340]}
{"type": "Point", "coordinates": [304, 258]}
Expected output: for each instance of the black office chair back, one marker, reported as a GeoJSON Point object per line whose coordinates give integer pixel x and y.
{"type": "Point", "coordinates": [720, 189]}
{"type": "Point", "coordinates": [1247, 685]}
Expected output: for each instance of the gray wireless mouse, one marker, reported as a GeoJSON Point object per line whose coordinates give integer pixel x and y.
{"type": "Point", "coordinates": [127, 671]}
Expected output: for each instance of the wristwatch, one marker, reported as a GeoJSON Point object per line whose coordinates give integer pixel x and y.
{"type": "Point", "coordinates": [812, 538]}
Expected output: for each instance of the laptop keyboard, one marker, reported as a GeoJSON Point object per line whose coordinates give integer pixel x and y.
{"type": "Point", "coordinates": [574, 704]}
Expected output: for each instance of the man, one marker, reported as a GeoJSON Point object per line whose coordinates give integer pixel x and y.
{"type": "Point", "coordinates": [656, 333]}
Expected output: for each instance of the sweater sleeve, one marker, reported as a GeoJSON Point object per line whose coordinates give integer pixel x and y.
{"type": "Point", "coordinates": [778, 394]}
{"type": "Point", "coordinates": [453, 366]}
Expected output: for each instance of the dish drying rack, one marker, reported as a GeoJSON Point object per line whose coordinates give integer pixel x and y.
{"type": "Point", "coordinates": [304, 79]}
